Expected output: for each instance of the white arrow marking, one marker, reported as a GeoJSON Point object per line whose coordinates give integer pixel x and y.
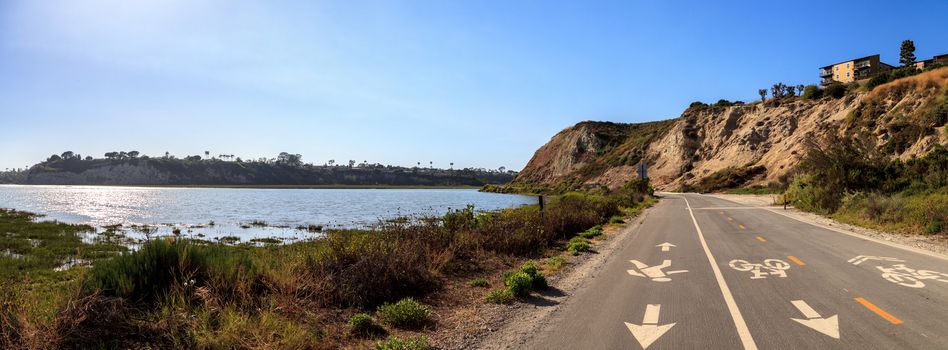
{"type": "Point", "coordinates": [828, 326]}
{"type": "Point", "coordinates": [666, 246]}
{"type": "Point", "coordinates": [649, 331]}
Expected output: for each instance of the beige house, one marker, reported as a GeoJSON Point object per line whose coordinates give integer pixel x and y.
{"type": "Point", "coordinates": [852, 70]}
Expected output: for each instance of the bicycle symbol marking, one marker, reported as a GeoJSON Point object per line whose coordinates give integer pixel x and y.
{"type": "Point", "coordinates": [901, 274]}
{"type": "Point", "coordinates": [772, 267]}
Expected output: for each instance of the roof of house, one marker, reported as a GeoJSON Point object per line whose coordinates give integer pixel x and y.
{"type": "Point", "coordinates": [855, 59]}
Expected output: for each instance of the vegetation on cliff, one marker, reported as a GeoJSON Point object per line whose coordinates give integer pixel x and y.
{"type": "Point", "coordinates": [129, 168]}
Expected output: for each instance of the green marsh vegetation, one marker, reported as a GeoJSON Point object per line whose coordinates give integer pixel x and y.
{"type": "Point", "coordinates": [326, 293]}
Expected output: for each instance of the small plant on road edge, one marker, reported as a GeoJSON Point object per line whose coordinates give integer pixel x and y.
{"type": "Point", "coordinates": [594, 231]}
{"type": "Point", "coordinates": [406, 313]}
{"type": "Point", "coordinates": [555, 263]}
{"type": "Point", "coordinates": [362, 324]}
{"type": "Point", "coordinates": [395, 343]}
{"type": "Point", "coordinates": [500, 296]}
{"type": "Point", "coordinates": [616, 219]}
{"type": "Point", "coordinates": [479, 282]}
{"type": "Point", "coordinates": [578, 245]}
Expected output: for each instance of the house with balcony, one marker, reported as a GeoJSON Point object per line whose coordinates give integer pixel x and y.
{"type": "Point", "coordinates": [852, 70]}
{"type": "Point", "coordinates": [937, 60]}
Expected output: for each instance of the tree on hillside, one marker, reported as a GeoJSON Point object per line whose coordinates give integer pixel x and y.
{"type": "Point", "coordinates": [907, 53]}
{"type": "Point", "coordinates": [791, 90]}
{"type": "Point", "coordinates": [133, 154]}
{"type": "Point", "coordinates": [53, 158]}
{"type": "Point", "coordinates": [452, 165]}
{"type": "Point", "coordinates": [167, 154]}
{"type": "Point", "coordinates": [67, 155]}
{"type": "Point", "coordinates": [88, 157]}
{"type": "Point", "coordinates": [778, 90]}
{"type": "Point", "coordinates": [763, 94]}
{"type": "Point", "coordinates": [289, 159]}
{"type": "Point", "coordinates": [800, 88]}
{"type": "Point", "coordinates": [111, 155]}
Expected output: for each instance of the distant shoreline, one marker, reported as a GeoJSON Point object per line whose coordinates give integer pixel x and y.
{"type": "Point", "coordinates": [287, 187]}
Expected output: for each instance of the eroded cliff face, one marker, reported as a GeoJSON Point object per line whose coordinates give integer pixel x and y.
{"type": "Point", "coordinates": [904, 118]}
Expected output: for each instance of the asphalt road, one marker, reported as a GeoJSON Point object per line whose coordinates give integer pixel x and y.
{"type": "Point", "coordinates": [747, 277]}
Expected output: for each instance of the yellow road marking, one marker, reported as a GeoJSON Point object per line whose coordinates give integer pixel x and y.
{"type": "Point", "coordinates": [730, 218]}
{"type": "Point", "coordinates": [721, 212]}
{"type": "Point", "coordinates": [798, 261]}
{"type": "Point", "coordinates": [879, 311]}
{"type": "Point", "coordinates": [741, 226]}
{"type": "Point", "coordinates": [759, 238]}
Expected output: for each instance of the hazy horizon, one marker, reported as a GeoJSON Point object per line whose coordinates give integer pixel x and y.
{"type": "Point", "coordinates": [479, 84]}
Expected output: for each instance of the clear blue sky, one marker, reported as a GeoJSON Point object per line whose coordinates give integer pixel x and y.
{"type": "Point", "coordinates": [477, 83]}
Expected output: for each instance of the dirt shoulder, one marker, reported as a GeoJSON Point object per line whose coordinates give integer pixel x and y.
{"type": "Point", "coordinates": [934, 244]}
{"type": "Point", "coordinates": [512, 326]}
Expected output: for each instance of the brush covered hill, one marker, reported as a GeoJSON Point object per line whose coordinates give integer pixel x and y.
{"type": "Point", "coordinates": [214, 172]}
{"type": "Point", "coordinates": [712, 147]}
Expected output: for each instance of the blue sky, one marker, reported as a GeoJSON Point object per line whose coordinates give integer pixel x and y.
{"type": "Point", "coordinates": [477, 83]}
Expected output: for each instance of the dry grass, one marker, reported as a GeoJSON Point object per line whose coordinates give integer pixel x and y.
{"type": "Point", "coordinates": [934, 79]}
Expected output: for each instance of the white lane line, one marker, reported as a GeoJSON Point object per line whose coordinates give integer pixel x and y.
{"type": "Point", "coordinates": [739, 323]}
{"type": "Point", "coordinates": [805, 309]}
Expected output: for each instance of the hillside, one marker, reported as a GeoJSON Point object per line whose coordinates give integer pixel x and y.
{"type": "Point", "coordinates": [742, 144]}
{"type": "Point", "coordinates": [173, 171]}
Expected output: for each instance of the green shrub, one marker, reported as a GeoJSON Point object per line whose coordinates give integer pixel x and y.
{"type": "Point", "coordinates": [500, 296]}
{"type": "Point", "coordinates": [460, 219]}
{"type": "Point", "coordinates": [934, 227]}
{"type": "Point", "coordinates": [594, 231]}
{"type": "Point", "coordinates": [479, 282]}
{"type": "Point", "coordinates": [537, 280]}
{"type": "Point", "coordinates": [812, 92]}
{"type": "Point", "coordinates": [877, 80]}
{"type": "Point", "coordinates": [616, 219]}
{"type": "Point", "coordinates": [394, 343]}
{"type": "Point", "coordinates": [697, 104]}
{"type": "Point", "coordinates": [361, 324]}
{"type": "Point", "coordinates": [835, 90]}
{"type": "Point", "coordinates": [519, 284]}
{"type": "Point", "coordinates": [577, 245]}
{"type": "Point", "coordinates": [406, 313]}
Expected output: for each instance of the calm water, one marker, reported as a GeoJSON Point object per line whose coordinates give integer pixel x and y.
{"type": "Point", "coordinates": [231, 210]}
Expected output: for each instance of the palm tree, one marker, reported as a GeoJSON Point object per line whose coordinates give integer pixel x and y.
{"type": "Point", "coordinates": [452, 165]}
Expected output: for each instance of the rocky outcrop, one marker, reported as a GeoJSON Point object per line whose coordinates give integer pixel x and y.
{"type": "Point", "coordinates": [905, 119]}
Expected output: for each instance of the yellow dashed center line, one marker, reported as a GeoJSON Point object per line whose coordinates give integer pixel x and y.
{"type": "Point", "coordinates": [759, 238]}
{"type": "Point", "coordinates": [730, 218]}
{"type": "Point", "coordinates": [879, 311]}
{"type": "Point", "coordinates": [741, 226]}
{"type": "Point", "coordinates": [798, 261]}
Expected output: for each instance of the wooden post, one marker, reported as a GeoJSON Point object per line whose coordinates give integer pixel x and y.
{"type": "Point", "coordinates": [541, 203]}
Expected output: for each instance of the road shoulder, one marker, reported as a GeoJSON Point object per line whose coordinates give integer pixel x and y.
{"type": "Point", "coordinates": [934, 245]}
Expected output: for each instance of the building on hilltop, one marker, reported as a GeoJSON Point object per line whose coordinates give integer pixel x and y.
{"type": "Point", "coordinates": [940, 60]}
{"type": "Point", "coordinates": [852, 70]}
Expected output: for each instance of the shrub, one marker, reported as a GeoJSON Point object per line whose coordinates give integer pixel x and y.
{"type": "Point", "coordinates": [877, 80]}
{"type": "Point", "coordinates": [500, 296]}
{"type": "Point", "coordinates": [616, 219]}
{"type": "Point", "coordinates": [537, 280]}
{"type": "Point", "coordinates": [812, 92]}
{"type": "Point", "coordinates": [578, 245]}
{"type": "Point", "coordinates": [934, 227]}
{"type": "Point", "coordinates": [148, 274]}
{"type": "Point", "coordinates": [362, 324]}
{"type": "Point", "coordinates": [594, 231]}
{"type": "Point", "coordinates": [460, 219]}
{"type": "Point", "coordinates": [394, 343]}
{"type": "Point", "coordinates": [555, 263]}
{"type": "Point", "coordinates": [835, 90]}
{"type": "Point", "coordinates": [367, 269]}
{"type": "Point", "coordinates": [723, 103]}
{"type": "Point", "coordinates": [519, 284]}
{"type": "Point", "coordinates": [406, 313]}
{"type": "Point", "coordinates": [697, 104]}
{"type": "Point", "coordinates": [479, 282]}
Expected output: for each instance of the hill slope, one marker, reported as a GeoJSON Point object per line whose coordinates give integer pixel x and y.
{"type": "Point", "coordinates": [756, 143]}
